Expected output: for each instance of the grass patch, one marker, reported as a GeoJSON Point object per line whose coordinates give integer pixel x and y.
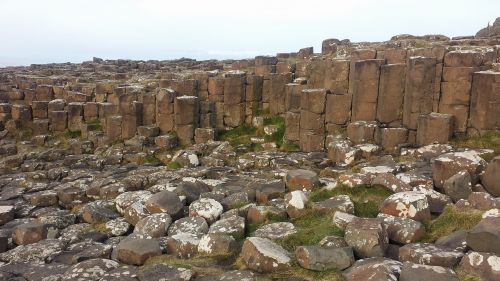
{"type": "Point", "coordinates": [100, 227]}
{"type": "Point", "coordinates": [489, 140]}
{"type": "Point", "coordinates": [276, 137]}
{"type": "Point", "coordinates": [26, 134]}
{"type": "Point", "coordinates": [94, 125]}
{"type": "Point", "coordinates": [262, 112]}
{"type": "Point", "coordinates": [290, 147]}
{"type": "Point", "coordinates": [174, 165]}
{"type": "Point", "coordinates": [452, 219]}
{"type": "Point", "coordinates": [151, 159]}
{"type": "Point", "coordinates": [311, 228]}
{"type": "Point", "coordinates": [252, 227]}
{"type": "Point", "coordinates": [73, 134]}
{"type": "Point", "coordinates": [466, 276]}
{"type": "Point", "coordinates": [366, 198]}
{"type": "Point", "coordinates": [238, 135]}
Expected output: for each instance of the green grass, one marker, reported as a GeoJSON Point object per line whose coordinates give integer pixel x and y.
{"type": "Point", "coordinates": [262, 112]}
{"type": "Point", "coordinates": [151, 159]}
{"type": "Point", "coordinates": [290, 147]}
{"type": "Point", "coordinates": [367, 199]}
{"type": "Point", "coordinates": [452, 219]}
{"type": "Point", "coordinates": [94, 125]}
{"type": "Point", "coordinates": [311, 228]}
{"type": "Point", "coordinates": [238, 135]}
{"type": "Point", "coordinates": [490, 140]}
{"type": "Point", "coordinates": [252, 227]}
{"type": "Point", "coordinates": [276, 137]}
{"type": "Point", "coordinates": [73, 134]}
{"type": "Point", "coordinates": [466, 276]}
{"type": "Point", "coordinates": [174, 165]}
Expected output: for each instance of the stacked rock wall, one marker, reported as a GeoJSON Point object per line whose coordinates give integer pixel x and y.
{"type": "Point", "coordinates": [386, 95]}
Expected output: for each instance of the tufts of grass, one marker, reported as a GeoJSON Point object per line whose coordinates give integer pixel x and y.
{"type": "Point", "coordinates": [174, 165]}
{"type": "Point", "coordinates": [290, 147]}
{"type": "Point", "coordinates": [73, 134]}
{"type": "Point", "coordinates": [100, 227]}
{"type": "Point", "coordinates": [26, 134]}
{"type": "Point", "coordinates": [252, 227]}
{"type": "Point", "coordinates": [466, 276]}
{"type": "Point", "coordinates": [366, 198]}
{"type": "Point", "coordinates": [262, 112]}
{"type": "Point", "coordinates": [151, 159]}
{"type": "Point", "coordinates": [490, 140]}
{"type": "Point", "coordinates": [276, 137]}
{"type": "Point", "coordinates": [311, 228]}
{"type": "Point", "coordinates": [452, 219]}
{"type": "Point", "coordinates": [238, 135]}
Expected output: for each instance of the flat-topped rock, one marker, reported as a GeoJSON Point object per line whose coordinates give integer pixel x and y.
{"type": "Point", "coordinates": [263, 255]}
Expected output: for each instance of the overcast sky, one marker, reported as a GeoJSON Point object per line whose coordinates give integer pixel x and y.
{"type": "Point", "coordinates": [36, 31]}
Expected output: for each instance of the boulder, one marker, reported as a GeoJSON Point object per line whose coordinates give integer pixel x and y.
{"type": "Point", "coordinates": [153, 226]}
{"type": "Point", "coordinates": [217, 244]}
{"type": "Point", "coordinates": [458, 186]}
{"type": "Point", "coordinates": [373, 269]}
{"type": "Point", "coordinates": [301, 179]}
{"type": "Point", "coordinates": [420, 272]}
{"type": "Point", "coordinates": [265, 256]}
{"type": "Point", "coordinates": [449, 164]}
{"type": "Point", "coordinates": [402, 230]}
{"type": "Point", "coordinates": [409, 204]}
{"type": "Point", "coordinates": [94, 268]}
{"type": "Point", "coordinates": [137, 251]}
{"type": "Point", "coordinates": [295, 203]}
{"type": "Point", "coordinates": [193, 225]}
{"type": "Point", "coordinates": [165, 202]}
{"type": "Point", "coordinates": [277, 230]}
{"type": "Point", "coordinates": [207, 208]}
{"type": "Point", "coordinates": [183, 245]}
{"type": "Point", "coordinates": [232, 226]}
{"type": "Point", "coordinates": [324, 258]}
{"type": "Point", "coordinates": [6, 214]}
{"type": "Point", "coordinates": [429, 254]}
{"type": "Point", "coordinates": [338, 203]}
{"type": "Point", "coordinates": [485, 236]}
{"type": "Point", "coordinates": [166, 272]}
{"type": "Point", "coordinates": [491, 177]}
{"type": "Point", "coordinates": [30, 233]}
{"type": "Point", "coordinates": [367, 237]}
{"type": "Point", "coordinates": [484, 265]}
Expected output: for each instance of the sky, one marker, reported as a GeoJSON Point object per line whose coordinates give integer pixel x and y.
{"type": "Point", "coordinates": [45, 31]}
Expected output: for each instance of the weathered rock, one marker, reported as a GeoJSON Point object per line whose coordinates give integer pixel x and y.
{"type": "Point", "coordinates": [183, 245]}
{"type": "Point", "coordinates": [491, 177]}
{"type": "Point", "coordinates": [484, 265]}
{"type": "Point", "coordinates": [165, 272]}
{"type": "Point", "coordinates": [137, 251]}
{"type": "Point", "coordinates": [324, 258]}
{"type": "Point", "coordinates": [295, 203]}
{"type": "Point", "coordinates": [373, 269]}
{"type": "Point", "coordinates": [482, 201]}
{"type": "Point", "coordinates": [367, 237]}
{"type": "Point", "coordinates": [429, 254]}
{"type": "Point", "coordinates": [92, 269]}
{"type": "Point", "coordinates": [193, 225]}
{"type": "Point", "coordinates": [263, 255]}
{"type": "Point", "coordinates": [341, 219]}
{"type": "Point", "coordinates": [95, 213]}
{"type": "Point", "coordinates": [217, 244]}
{"type": "Point", "coordinates": [449, 164]}
{"type": "Point", "coordinates": [410, 204]}
{"type": "Point", "coordinates": [402, 230]}
{"type": "Point", "coordinates": [118, 227]}
{"type": "Point", "coordinates": [153, 226]}
{"type": "Point", "coordinates": [233, 226]}
{"type": "Point", "coordinates": [207, 208]}
{"type": "Point", "coordinates": [276, 230]}
{"type": "Point", "coordinates": [31, 233]}
{"type": "Point", "coordinates": [332, 242]}
{"type": "Point", "coordinates": [338, 203]}
{"type": "Point", "coordinates": [455, 241]}
{"type": "Point", "coordinates": [165, 202]}
{"type": "Point", "coordinates": [36, 252]}
{"type": "Point", "coordinates": [6, 214]}
{"type": "Point", "coordinates": [420, 272]}
{"type": "Point", "coordinates": [301, 179]}
{"type": "Point", "coordinates": [458, 186]}
{"type": "Point", "coordinates": [485, 236]}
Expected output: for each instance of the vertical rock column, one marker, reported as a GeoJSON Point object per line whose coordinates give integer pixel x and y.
{"type": "Point", "coordinates": [457, 84]}
{"type": "Point", "coordinates": [165, 110]}
{"type": "Point", "coordinates": [277, 92]}
{"type": "Point", "coordinates": [265, 65]}
{"type": "Point", "coordinates": [216, 95]}
{"type": "Point", "coordinates": [253, 96]}
{"type": "Point", "coordinates": [391, 94]}
{"type": "Point", "coordinates": [419, 89]}
{"type": "Point", "coordinates": [312, 119]}
{"type": "Point", "coordinates": [58, 117]}
{"type": "Point", "coordinates": [75, 116]}
{"type": "Point", "coordinates": [186, 110]}
{"type": "Point", "coordinates": [485, 102]}
{"type": "Point", "coordinates": [234, 98]}
{"type": "Point", "coordinates": [364, 80]}
{"type": "Point", "coordinates": [148, 108]}
{"type": "Point", "coordinates": [336, 76]}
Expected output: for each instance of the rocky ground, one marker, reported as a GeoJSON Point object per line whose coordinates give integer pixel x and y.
{"type": "Point", "coordinates": [235, 210]}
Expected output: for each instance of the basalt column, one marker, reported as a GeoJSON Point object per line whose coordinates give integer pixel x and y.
{"type": "Point", "coordinates": [365, 81]}
{"type": "Point", "coordinates": [419, 89]}
{"type": "Point", "coordinates": [186, 110]}
{"type": "Point", "coordinates": [234, 99]}
{"type": "Point", "coordinates": [312, 119]}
